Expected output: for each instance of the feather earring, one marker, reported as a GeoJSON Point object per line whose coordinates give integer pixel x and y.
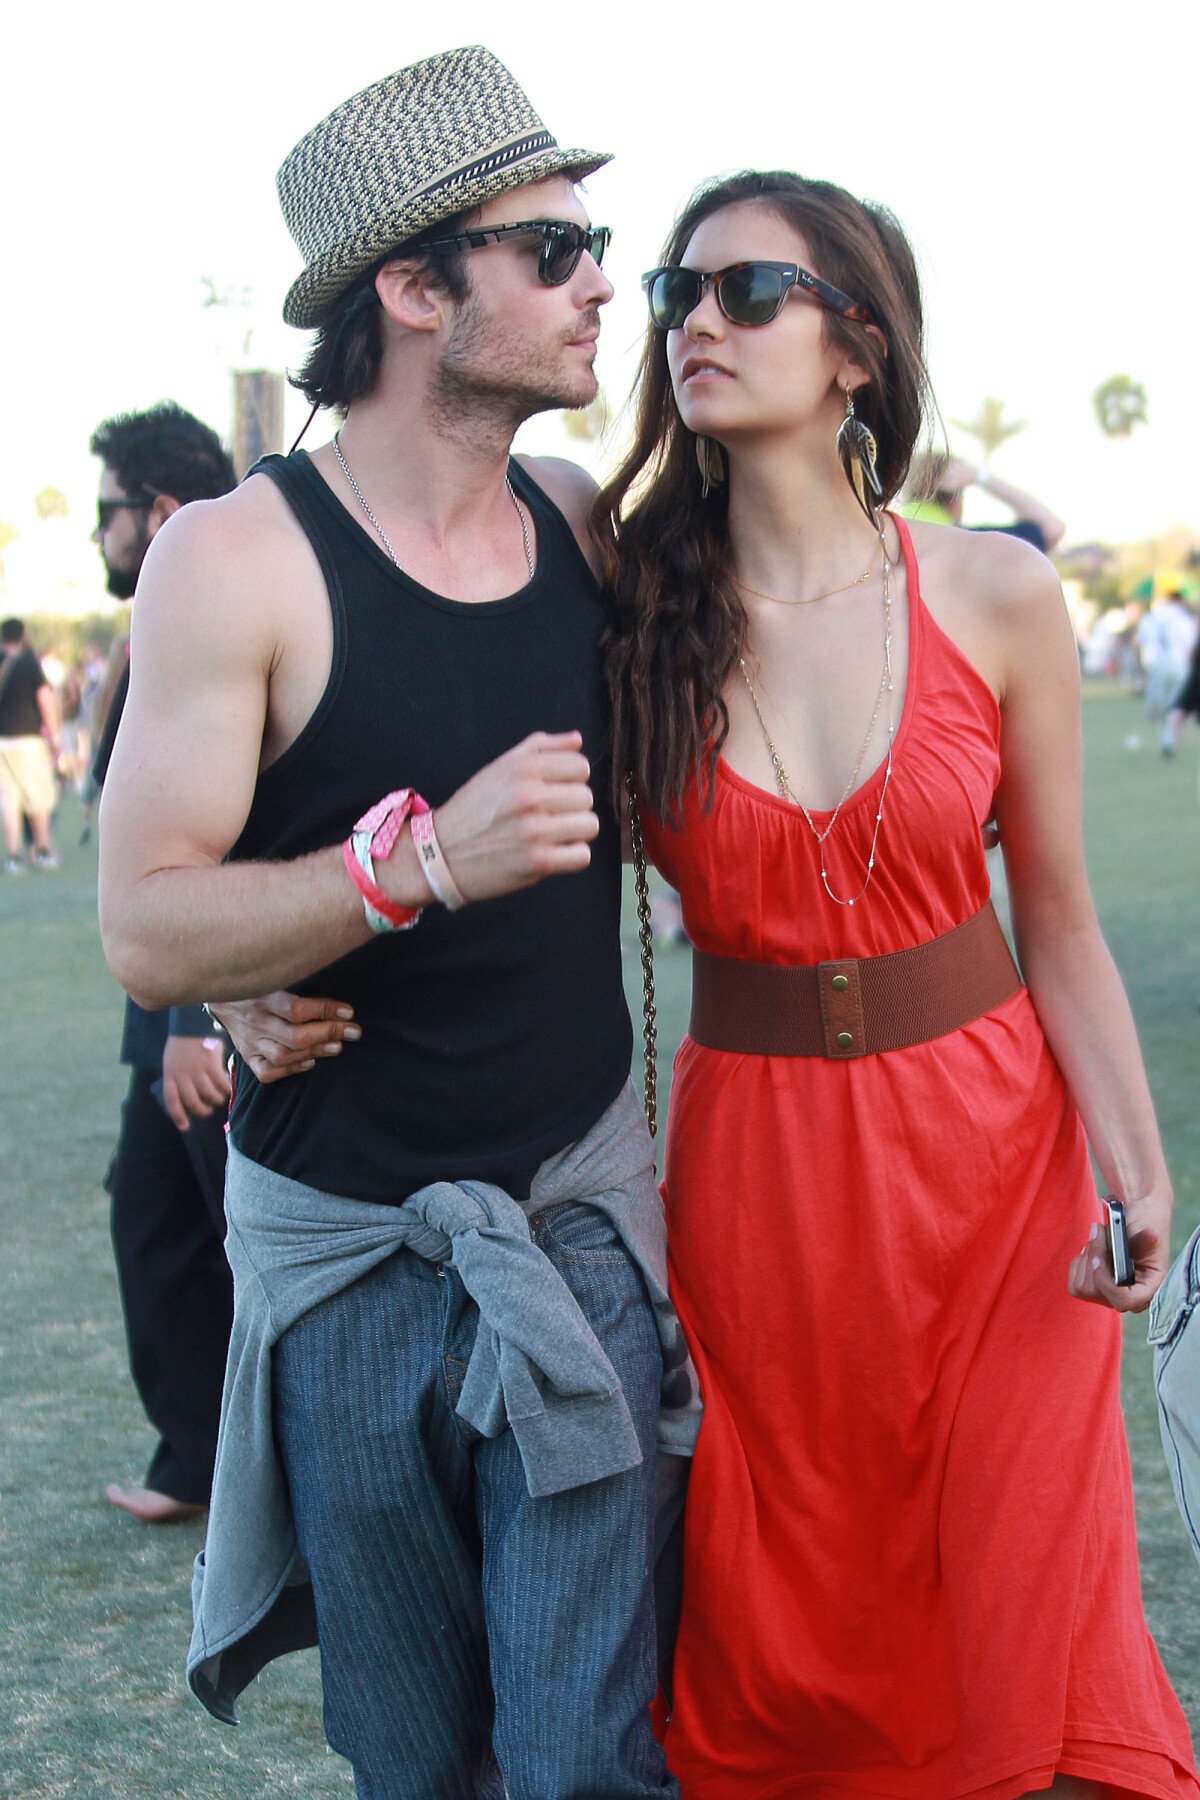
{"type": "Point", "coordinates": [857, 451]}
{"type": "Point", "coordinates": [711, 459]}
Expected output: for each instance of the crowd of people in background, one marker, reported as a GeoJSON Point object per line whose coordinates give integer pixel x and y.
{"type": "Point", "coordinates": [51, 710]}
{"type": "Point", "coordinates": [30, 751]}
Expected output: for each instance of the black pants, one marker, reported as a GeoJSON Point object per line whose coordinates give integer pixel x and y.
{"type": "Point", "coordinates": [168, 1229]}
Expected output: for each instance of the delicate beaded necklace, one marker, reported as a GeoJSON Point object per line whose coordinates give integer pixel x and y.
{"type": "Point", "coordinates": [386, 541]}
{"type": "Point", "coordinates": [886, 686]}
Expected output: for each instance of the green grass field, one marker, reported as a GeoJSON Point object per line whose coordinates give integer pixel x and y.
{"type": "Point", "coordinates": [95, 1612]}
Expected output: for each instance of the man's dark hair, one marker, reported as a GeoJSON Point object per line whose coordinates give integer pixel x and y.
{"type": "Point", "coordinates": [12, 631]}
{"type": "Point", "coordinates": [342, 364]}
{"type": "Point", "coordinates": [164, 450]}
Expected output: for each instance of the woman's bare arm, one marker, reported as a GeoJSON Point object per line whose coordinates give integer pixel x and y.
{"type": "Point", "coordinates": [1071, 975]}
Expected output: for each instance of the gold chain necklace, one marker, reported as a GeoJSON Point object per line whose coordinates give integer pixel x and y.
{"type": "Point", "coordinates": [886, 686]}
{"type": "Point", "coordinates": [811, 599]}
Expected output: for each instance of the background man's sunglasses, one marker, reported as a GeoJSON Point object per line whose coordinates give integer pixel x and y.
{"type": "Point", "coordinates": [748, 293]}
{"type": "Point", "coordinates": [107, 510]}
{"type": "Point", "coordinates": [563, 243]}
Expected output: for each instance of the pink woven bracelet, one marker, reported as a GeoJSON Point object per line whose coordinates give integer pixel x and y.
{"type": "Point", "coordinates": [384, 820]}
{"type": "Point", "coordinates": [437, 869]}
{"type": "Point", "coordinates": [396, 916]}
{"type": "Point", "coordinates": [374, 835]}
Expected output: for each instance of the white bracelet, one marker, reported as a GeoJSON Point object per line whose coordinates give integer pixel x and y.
{"type": "Point", "coordinates": [437, 870]}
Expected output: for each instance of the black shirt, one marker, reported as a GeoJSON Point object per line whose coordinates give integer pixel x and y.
{"type": "Point", "coordinates": [1028, 529]}
{"type": "Point", "coordinates": [495, 1036]}
{"type": "Point", "coordinates": [21, 675]}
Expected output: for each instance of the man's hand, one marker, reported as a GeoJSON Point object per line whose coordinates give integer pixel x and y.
{"type": "Point", "coordinates": [527, 815]}
{"type": "Point", "coordinates": [194, 1078]}
{"type": "Point", "coordinates": [283, 1034]}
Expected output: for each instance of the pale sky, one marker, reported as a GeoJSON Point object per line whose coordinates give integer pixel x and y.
{"type": "Point", "coordinates": [1043, 158]}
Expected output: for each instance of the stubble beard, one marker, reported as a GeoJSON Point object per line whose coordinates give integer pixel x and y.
{"type": "Point", "coordinates": [482, 393]}
{"type": "Point", "coordinates": [122, 579]}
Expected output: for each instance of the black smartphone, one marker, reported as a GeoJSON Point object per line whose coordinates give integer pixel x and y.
{"type": "Point", "coordinates": [1120, 1261]}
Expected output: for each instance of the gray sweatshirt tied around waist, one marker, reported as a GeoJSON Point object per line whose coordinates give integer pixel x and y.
{"type": "Point", "coordinates": [536, 1367]}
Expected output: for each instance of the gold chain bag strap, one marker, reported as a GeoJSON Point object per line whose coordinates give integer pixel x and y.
{"type": "Point", "coordinates": [646, 940]}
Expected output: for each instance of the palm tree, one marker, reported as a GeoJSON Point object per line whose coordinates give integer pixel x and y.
{"type": "Point", "coordinates": [989, 427]}
{"type": "Point", "coordinates": [50, 503]}
{"type": "Point", "coordinates": [1120, 404]}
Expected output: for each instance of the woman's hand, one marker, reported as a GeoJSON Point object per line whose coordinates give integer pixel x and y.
{"type": "Point", "coordinates": [283, 1034]}
{"type": "Point", "coordinates": [1090, 1276]}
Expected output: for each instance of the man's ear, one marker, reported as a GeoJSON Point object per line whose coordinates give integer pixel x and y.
{"type": "Point", "coordinates": [160, 512]}
{"type": "Point", "coordinates": [408, 295]}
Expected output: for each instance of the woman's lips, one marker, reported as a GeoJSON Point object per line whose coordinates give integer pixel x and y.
{"type": "Point", "coordinates": [693, 372]}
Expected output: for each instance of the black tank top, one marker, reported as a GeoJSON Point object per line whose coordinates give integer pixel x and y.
{"type": "Point", "coordinates": [495, 1036]}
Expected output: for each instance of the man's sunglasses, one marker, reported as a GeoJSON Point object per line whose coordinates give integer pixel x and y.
{"type": "Point", "coordinates": [107, 510]}
{"type": "Point", "coordinates": [563, 244]}
{"type": "Point", "coordinates": [748, 293]}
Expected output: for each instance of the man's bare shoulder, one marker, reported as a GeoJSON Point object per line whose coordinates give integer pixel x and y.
{"type": "Point", "coordinates": [223, 553]}
{"type": "Point", "coordinates": [571, 488]}
{"type": "Point", "coordinates": [239, 522]}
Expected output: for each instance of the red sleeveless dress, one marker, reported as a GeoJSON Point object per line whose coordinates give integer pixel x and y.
{"type": "Point", "coordinates": [911, 1569]}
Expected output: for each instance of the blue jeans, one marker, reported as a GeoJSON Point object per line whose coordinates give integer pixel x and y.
{"type": "Point", "coordinates": [476, 1644]}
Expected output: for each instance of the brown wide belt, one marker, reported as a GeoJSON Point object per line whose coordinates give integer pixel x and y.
{"type": "Point", "coordinates": [858, 1005]}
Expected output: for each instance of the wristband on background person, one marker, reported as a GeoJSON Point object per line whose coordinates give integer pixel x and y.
{"type": "Point", "coordinates": [374, 835]}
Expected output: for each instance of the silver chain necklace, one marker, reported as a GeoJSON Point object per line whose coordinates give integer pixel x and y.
{"type": "Point", "coordinates": [383, 536]}
{"type": "Point", "coordinates": [886, 686]}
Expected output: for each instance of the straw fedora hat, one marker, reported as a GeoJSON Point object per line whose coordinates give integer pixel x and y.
{"type": "Point", "coordinates": [431, 140]}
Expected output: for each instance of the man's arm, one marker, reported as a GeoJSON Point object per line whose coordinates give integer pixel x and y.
{"type": "Point", "coordinates": [1025, 507]}
{"type": "Point", "coordinates": [178, 924]}
{"type": "Point", "coordinates": [50, 711]}
{"type": "Point", "coordinates": [959, 475]}
{"type": "Point", "coordinates": [182, 777]}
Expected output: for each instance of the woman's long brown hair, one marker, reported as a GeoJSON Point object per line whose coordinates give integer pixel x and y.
{"type": "Point", "coordinates": [678, 624]}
